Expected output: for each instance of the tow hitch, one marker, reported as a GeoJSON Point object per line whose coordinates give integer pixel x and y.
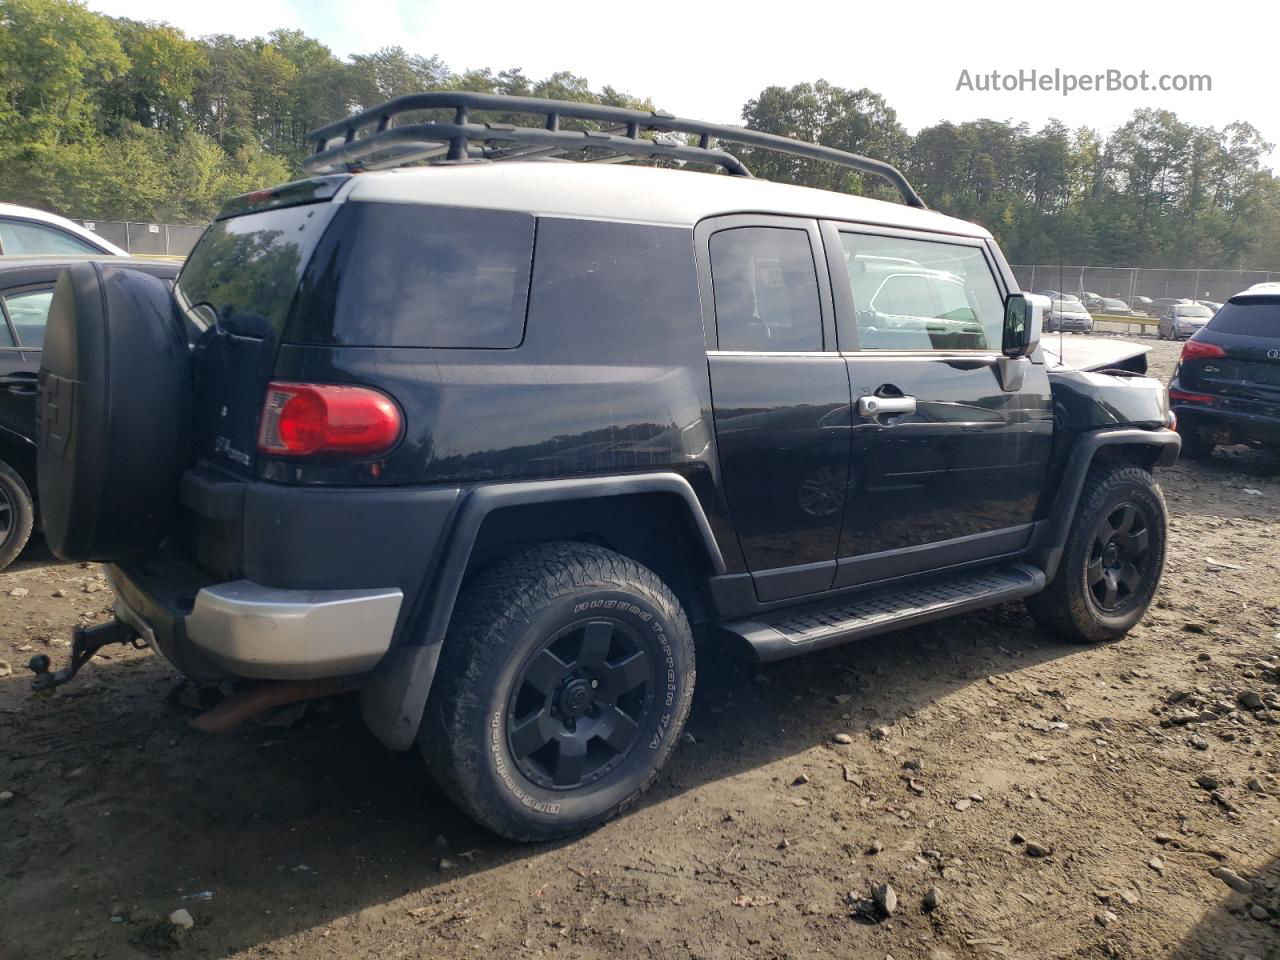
{"type": "Point", "coordinates": [85, 643]}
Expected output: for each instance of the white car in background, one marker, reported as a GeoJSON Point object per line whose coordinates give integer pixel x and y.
{"type": "Point", "coordinates": [27, 231]}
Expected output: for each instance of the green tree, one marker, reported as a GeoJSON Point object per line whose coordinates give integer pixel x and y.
{"type": "Point", "coordinates": [858, 121]}
{"type": "Point", "coordinates": [157, 88]}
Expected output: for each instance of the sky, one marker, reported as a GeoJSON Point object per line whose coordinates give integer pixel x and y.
{"type": "Point", "coordinates": [705, 60]}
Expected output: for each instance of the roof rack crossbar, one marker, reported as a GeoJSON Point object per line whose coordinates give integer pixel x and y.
{"type": "Point", "coordinates": [418, 141]}
{"type": "Point", "coordinates": [354, 150]}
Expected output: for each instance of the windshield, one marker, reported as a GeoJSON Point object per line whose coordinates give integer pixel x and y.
{"type": "Point", "coordinates": [1067, 303]}
{"type": "Point", "coordinates": [1194, 311]}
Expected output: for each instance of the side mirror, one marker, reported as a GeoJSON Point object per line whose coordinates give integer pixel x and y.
{"type": "Point", "coordinates": [1023, 318]}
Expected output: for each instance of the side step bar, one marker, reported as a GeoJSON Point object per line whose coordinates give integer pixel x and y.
{"type": "Point", "coordinates": [786, 633]}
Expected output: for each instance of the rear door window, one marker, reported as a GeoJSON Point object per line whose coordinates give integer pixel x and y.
{"type": "Point", "coordinates": [412, 275]}
{"type": "Point", "coordinates": [1255, 317]}
{"type": "Point", "coordinates": [766, 290]}
{"type": "Point", "coordinates": [29, 312]}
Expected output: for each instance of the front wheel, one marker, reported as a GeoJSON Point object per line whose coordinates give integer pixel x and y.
{"type": "Point", "coordinates": [1112, 561]}
{"type": "Point", "coordinates": [562, 688]}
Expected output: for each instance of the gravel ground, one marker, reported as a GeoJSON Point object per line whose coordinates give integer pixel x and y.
{"type": "Point", "coordinates": [1011, 795]}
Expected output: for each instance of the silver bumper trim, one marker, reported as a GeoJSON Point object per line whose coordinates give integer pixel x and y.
{"type": "Point", "coordinates": [269, 633]}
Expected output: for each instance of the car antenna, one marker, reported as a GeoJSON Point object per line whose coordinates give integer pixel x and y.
{"type": "Point", "coordinates": [1061, 359]}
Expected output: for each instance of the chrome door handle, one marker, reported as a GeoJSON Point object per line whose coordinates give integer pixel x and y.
{"type": "Point", "coordinates": [874, 406]}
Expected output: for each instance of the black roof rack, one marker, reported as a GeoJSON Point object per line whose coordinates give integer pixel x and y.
{"type": "Point", "coordinates": [462, 139]}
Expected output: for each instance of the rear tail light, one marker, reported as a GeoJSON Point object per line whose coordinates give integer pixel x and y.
{"type": "Point", "coordinates": [1200, 350]}
{"type": "Point", "coordinates": [1181, 396]}
{"type": "Point", "coordinates": [306, 419]}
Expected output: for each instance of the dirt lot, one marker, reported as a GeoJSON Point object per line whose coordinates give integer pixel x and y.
{"type": "Point", "coordinates": [974, 744]}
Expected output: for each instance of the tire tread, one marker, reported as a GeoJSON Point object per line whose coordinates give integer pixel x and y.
{"type": "Point", "coordinates": [1061, 607]}
{"type": "Point", "coordinates": [491, 609]}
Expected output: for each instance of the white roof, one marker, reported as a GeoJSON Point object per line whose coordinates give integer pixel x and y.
{"type": "Point", "coordinates": [610, 191]}
{"type": "Point", "coordinates": [62, 223]}
{"type": "Point", "coordinates": [1270, 288]}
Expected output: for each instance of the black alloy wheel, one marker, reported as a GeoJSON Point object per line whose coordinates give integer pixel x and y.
{"type": "Point", "coordinates": [1119, 558]}
{"type": "Point", "coordinates": [562, 688]}
{"type": "Point", "coordinates": [6, 516]}
{"type": "Point", "coordinates": [578, 703]}
{"type": "Point", "coordinates": [1111, 563]}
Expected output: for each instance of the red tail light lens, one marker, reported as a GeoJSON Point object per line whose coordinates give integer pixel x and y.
{"type": "Point", "coordinates": [1200, 350]}
{"type": "Point", "coordinates": [307, 419]}
{"type": "Point", "coordinates": [1181, 396]}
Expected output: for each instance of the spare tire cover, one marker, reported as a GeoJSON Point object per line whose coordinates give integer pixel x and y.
{"type": "Point", "coordinates": [114, 409]}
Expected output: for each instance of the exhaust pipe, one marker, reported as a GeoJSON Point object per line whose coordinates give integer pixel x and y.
{"type": "Point", "coordinates": [257, 700]}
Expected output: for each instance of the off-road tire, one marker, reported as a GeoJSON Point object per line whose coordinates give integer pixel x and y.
{"type": "Point", "coordinates": [1068, 606]}
{"type": "Point", "coordinates": [503, 621]}
{"type": "Point", "coordinates": [16, 503]}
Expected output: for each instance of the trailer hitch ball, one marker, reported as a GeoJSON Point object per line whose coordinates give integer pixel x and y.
{"type": "Point", "coordinates": [85, 643]}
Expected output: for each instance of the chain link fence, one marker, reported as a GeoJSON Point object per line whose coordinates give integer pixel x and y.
{"type": "Point", "coordinates": [147, 239]}
{"type": "Point", "coordinates": [1128, 283]}
{"type": "Point", "coordinates": [1123, 283]}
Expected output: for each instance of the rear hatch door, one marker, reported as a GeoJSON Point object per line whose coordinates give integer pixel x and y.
{"type": "Point", "coordinates": [239, 286]}
{"type": "Point", "coordinates": [1248, 377]}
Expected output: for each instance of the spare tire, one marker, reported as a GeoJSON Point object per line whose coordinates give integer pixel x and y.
{"type": "Point", "coordinates": [114, 410]}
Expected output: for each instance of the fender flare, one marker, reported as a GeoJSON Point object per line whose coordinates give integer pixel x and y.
{"type": "Point", "coordinates": [394, 695]}
{"type": "Point", "coordinates": [1166, 445]}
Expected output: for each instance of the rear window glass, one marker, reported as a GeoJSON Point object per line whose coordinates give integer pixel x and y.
{"type": "Point", "coordinates": [28, 312]}
{"type": "Point", "coordinates": [245, 270]}
{"type": "Point", "coordinates": [1256, 317]}
{"type": "Point", "coordinates": [409, 275]}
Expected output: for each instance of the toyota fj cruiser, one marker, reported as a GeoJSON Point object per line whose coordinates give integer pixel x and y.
{"type": "Point", "coordinates": [499, 437]}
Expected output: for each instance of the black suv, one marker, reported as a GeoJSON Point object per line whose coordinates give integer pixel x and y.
{"type": "Point", "coordinates": [1226, 388]}
{"type": "Point", "coordinates": [498, 439]}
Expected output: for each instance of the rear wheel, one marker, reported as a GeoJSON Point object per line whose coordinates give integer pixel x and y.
{"type": "Point", "coordinates": [1112, 561]}
{"type": "Point", "coordinates": [17, 515]}
{"type": "Point", "coordinates": [562, 688]}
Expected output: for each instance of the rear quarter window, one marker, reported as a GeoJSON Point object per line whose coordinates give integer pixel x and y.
{"type": "Point", "coordinates": [413, 275]}
{"type": "Point", "coordinates": [1255, 317]}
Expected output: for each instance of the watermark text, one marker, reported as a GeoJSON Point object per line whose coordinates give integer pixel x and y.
{"type": "Point", "coordinates": [1059, 81]}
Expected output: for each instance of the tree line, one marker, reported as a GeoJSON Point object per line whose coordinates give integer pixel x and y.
{"type": "Point", "coordinates": [109, 118]}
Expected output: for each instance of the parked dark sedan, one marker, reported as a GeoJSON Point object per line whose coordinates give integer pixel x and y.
{"type": "Point", "coordinates": [1113, 306]}
{"type": "Point", "coordinates": [1159, 306]}
{"type": "Point", "coordinates": [26, 287]}
{"type": "Point", "coordinates": [1226, 389]}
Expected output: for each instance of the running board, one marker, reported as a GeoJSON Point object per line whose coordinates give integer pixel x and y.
{"type": "Point", "coordinates": [785, 633]}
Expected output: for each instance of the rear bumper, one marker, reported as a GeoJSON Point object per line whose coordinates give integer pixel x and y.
{"type": "Point", "coordinates": [243, 629]}
{"type": "Point", "coordinates": [1234, 424]}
